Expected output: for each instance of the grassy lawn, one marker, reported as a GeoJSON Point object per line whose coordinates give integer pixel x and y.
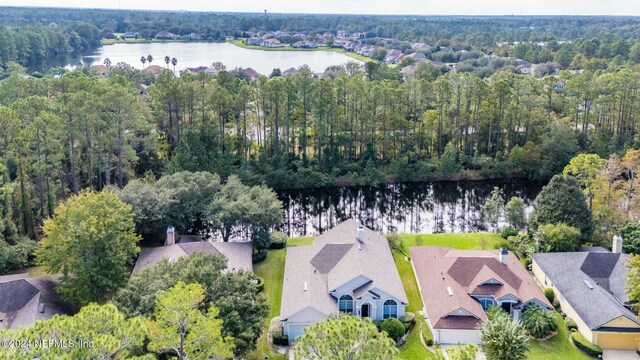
{"type": "Point", "coordinates": [272, 271]}
{"type": "Point", "coordinates": [240, 43]}
{"type": "Point", "coordinates": [558, 347]}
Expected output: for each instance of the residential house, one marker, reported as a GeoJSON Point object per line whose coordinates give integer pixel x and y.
{"type": "Point", "coordinates": [254, 41]}
{"type": "Point", "coordinates": [590, 287]}
{"type": "Point", "coordinates": [108, 35]}
{"type": "Point", "coordinates": [196, 70]}
{"type": "Point", "coordinates": [100, 69]}
{"type": "Point", "coordinates": [165, 35]}
{"type": "Point", "coordinates": [290, 72]}
{"type": "Point", "coordinates": [392, 56]}
{"type": "Point", "coordinates": [408, 71]}
{"type": "Point", "coordinates": [348, 269]}
{"type": "Point", "coordinates": [272, 43]}
{"type": "Point", "coordinates": [154, 69]}
{"type": "Point", "coordinates": [25, 300]}
{"type": "Point", "coordinates": [238, 254]}
{"type": "Point", "coordinates": [252, 74]}
{"type": "Point", "coordinates": [458, 286]}
{"type": "Point", "coordinates": [418, 57]}
{"type": "Point", "coordinates": [525, 67]}
{"type": "Point", "coordinates": [130, 35]}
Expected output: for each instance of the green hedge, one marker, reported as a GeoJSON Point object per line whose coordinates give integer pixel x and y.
{"type": "Point", "coordinates": [259, 283]}
{"type": "Point", "coordinates": [571, 325]}
{"type": "Point", "coordinates": [278, 240]}
{"type": "Point", "coordinates": [585, 345]}
{"type": "Point", "coordinates": [548, 292]}
{"type": "Point", "coordinates": [259, 257]}
{"type": "Point", "coordinates": [394, 328]}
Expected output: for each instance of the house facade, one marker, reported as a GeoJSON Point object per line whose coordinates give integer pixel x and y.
{"type": "Point", "coordinates": [458, 286]}
{"type": "Point", "coordinates": [350, 270]}
{"type": "Point", "coordinates": [591, 288]}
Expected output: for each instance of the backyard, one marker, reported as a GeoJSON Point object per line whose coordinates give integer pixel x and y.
{"type": "Point", "coordinates": [272, 271]}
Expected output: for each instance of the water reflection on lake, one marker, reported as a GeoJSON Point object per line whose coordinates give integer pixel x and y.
{"type": "Point", "coordinates": [402, 208]}
{"type": "Point", "coordinates": [194, 54]}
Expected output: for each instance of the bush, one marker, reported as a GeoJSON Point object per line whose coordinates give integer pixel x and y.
{"type": "Point", "coordinates": [571, 325]}
{"type": "Point", "coordinates": [378, 324]}
{"type": "Point", "coordinates": [277, 333]}
{"type": "Point", "coordinates": [548, 292]}
{"type": "Point", "coordinates": [556, 305]}
{"type": "Point", "coordinates": [278, 240]}
{"type": "Point", "coordinates": [584, 345]}
{"type": "Point", "coordinates": [508, 232]}
{"type": "Point", "coordinates": [538, 322]}
{"type": "Point", "coordinates": [494, 311]}
{"type": "Point", "coordinates": [408, 317]}
{"type": "Point", "coordinates": [395, 243]}
{"type": "Point", "coordinates": [393, 327]}
{"type": "Point", "coordinates": [429, 341]}
{"type": "Point", "coordinates": [259, 284]}
{"type": "Point", "coordinates": [259, 256]}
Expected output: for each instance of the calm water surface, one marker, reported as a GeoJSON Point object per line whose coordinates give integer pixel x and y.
{"type": "Point", "coordinates": [194, 54]}
{"type": "Point", "coordinates": [403, 208]}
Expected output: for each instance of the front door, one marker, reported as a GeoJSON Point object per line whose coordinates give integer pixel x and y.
{"type": "Point", "coordinates": [366, 311]}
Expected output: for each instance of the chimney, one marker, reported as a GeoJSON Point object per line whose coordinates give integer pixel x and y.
{"type": "Point", "coordinates": [361, 234]}
{"type": "Point", "coordinates": [504, 255]}
{"type": "Point", "coordinates": [171, 236]}
{"type": "Point", "coordinates": [617, 244]}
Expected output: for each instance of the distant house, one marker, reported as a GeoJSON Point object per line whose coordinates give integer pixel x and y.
{"type": "Point", "coordinates": [418, 57]}
{"type": "Point", "coordinates": [392, 56]}
{"type": "Point", "coordinates": [25, 300]}
{"type": "Point", "coordinates": [130, 35]}
{"type": "Point", "coordinates": [251, 73]}
{"type": "Point", "coordinates": [290, 72]}
{"type": "Point", "coordinates": [100, 69]}
{"type": "Point", "coordinates": [458, 286]}
{"type": "Point", "coordinates": [165, 35]}
{"type": "Point", "coordinates": [109, 36]}
{"type": "Point", "coordinates": [525, 67]}
{"type": "Point", "coordinates": [195, 70]}
{"type": "Point", "coordinates": [254, 41]}
{"type": "Point", "coordinates": [154, 69]}
{"type": "Point", "coordinates": [238, 254]}
{"type": "Point", "coordinates": [591, 288]}
{"type": "Point", "coordinates": [348, 269]}
{"type": "Point", "coordinates": [272, 43]}
{"type": "Point", "coordinates": [408, 71]}
{"type": "Point", "coordinates": [421, 46]}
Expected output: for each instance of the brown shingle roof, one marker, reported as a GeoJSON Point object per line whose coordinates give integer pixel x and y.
{"type": "Point", "coordinates": [465, 273]}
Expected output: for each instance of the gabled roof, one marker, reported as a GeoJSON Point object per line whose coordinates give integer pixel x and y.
{"type": "Point", "coordinates": [606, 273]}
{"type": "Point", "coordinates": [336, 258]}
{"type": "Point", "coordinates": [238, 254]}
{"type": "Point", "coordinates": [450, 279]}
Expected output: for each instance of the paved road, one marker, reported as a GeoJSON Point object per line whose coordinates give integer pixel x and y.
{"type": "Point", "coordinates": [620, 355]}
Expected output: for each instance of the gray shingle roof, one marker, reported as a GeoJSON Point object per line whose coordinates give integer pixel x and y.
{"type": "Point", "coordinates": [238, 254]}
{"type": "Point", "coordinates": [334, 259]}
{"type": "Point", "coordinates": [607, 274]}
{"type": "Point", "coordinates": [14, 295]}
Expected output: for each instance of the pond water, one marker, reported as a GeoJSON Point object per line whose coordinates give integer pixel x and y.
{"type": "Point", "coordinates": [194, 54]}
{"type": "Point", "coordinates": [403, 208]}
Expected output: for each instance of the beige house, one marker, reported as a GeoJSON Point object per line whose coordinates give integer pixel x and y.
{"type": "Point", "coordinates": [590, 287]}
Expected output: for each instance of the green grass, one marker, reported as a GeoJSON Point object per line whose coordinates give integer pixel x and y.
{"type": "Point", "coordinates": [456, 241]}
{"type": "Point", "coordinates": [558, 347]}
{"type": "Point", "coordinates": [272, 271]}
{"type": "Point", "coordinates": [240, 43]}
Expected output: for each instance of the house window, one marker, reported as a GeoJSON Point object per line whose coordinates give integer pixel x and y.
{"type": "Point", "coordinates": [345, 305]}
{"type": "Point", "coordinates": [486, 303]}
{"type": "Point", "coordinates": [390, 309]}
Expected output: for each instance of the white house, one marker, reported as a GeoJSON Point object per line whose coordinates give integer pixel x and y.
{"type": "Point", "coordinates": [348, 269]}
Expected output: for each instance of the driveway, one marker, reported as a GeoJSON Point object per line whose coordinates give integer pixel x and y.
{"type": "Point", "coordinates": [620, 355]}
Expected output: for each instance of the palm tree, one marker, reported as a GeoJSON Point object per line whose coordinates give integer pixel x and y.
{"type": "Point", "coordinates": [167, 60]}
{"type": "Point", "coordinates": [174, 62]}
{"type": "Point", "coordinates": [107, 62]}
{"type": "Point", "coordinates": [143, 60]}
{"type": "Point", "coordinates": [149, 59]}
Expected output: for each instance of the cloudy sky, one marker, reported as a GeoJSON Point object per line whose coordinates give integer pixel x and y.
{"type": "Point", "coordinates": [418, 7]}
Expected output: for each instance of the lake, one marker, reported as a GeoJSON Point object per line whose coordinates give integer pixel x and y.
{"type": "Point", "coordinates": [194, 54]}
{"type": "Point", "coordinates": [403, 208]}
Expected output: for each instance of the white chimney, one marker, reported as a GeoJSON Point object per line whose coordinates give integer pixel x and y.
{"type": "Point", "coordinates": [361, 234]}
{"type": "Point", "coordinates": [171, 236]}
{"type": "Point", "coordinates": [617, 244]}
{"type": "Point", "coordinates": [504, 255]}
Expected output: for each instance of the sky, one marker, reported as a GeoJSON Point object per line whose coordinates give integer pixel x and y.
{"type": "Point", "coordinates": [414, 7]}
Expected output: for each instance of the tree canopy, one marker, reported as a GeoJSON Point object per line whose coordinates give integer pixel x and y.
{"type": "Point", "coordinates": [504, 339]}
{"type": "Point", "coordinates": [91, 241]}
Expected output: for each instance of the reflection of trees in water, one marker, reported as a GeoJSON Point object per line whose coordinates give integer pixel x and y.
{"type": "Point", "coordinates": [404, 208]}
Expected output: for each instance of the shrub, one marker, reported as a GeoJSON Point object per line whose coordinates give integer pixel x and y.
{"type": "Point", "coordinates": [277, 333]}
{"type": "Point", "coordinates": [395, 243]}
{"type": "Point", "coordinates": [548, 292]}
{"type": "Point", "coordinates": [586, 346]}
{"type": "Point", "coordinates": [259, 284]}
{"type": "Point", "coordinates": [393, 327]}
{"type": "Point", "coordinates": [408, 317]}
{"type": "Point", "coordinates": [419, 240]}
{"type": "Point", "coordinates": [278, 240]}
{"type": "Point", "coordinates": [378, 324]}
{"type": "Point", "coordinates": [556, 304]}
{"type": "Point", "coordinates": [571, 325]}
{"type": "Point", "coordinates": [508, 231]}
{"type": "Point", "coordinates": [259, 256]}
{"type": "Point", "coordinates": [428, 341]}
{"type": "Point", "coordinates": [494, 311]}
{"type": "Point", "coordinates": [538, 322]}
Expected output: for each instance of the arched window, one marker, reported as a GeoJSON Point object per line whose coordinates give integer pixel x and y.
{"type": "Point", "coordinates": [486, 303]}
{"type": "Point", "coordinates": [345, 305]}
{"type": "Point", "coordinates": [390, 309]}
